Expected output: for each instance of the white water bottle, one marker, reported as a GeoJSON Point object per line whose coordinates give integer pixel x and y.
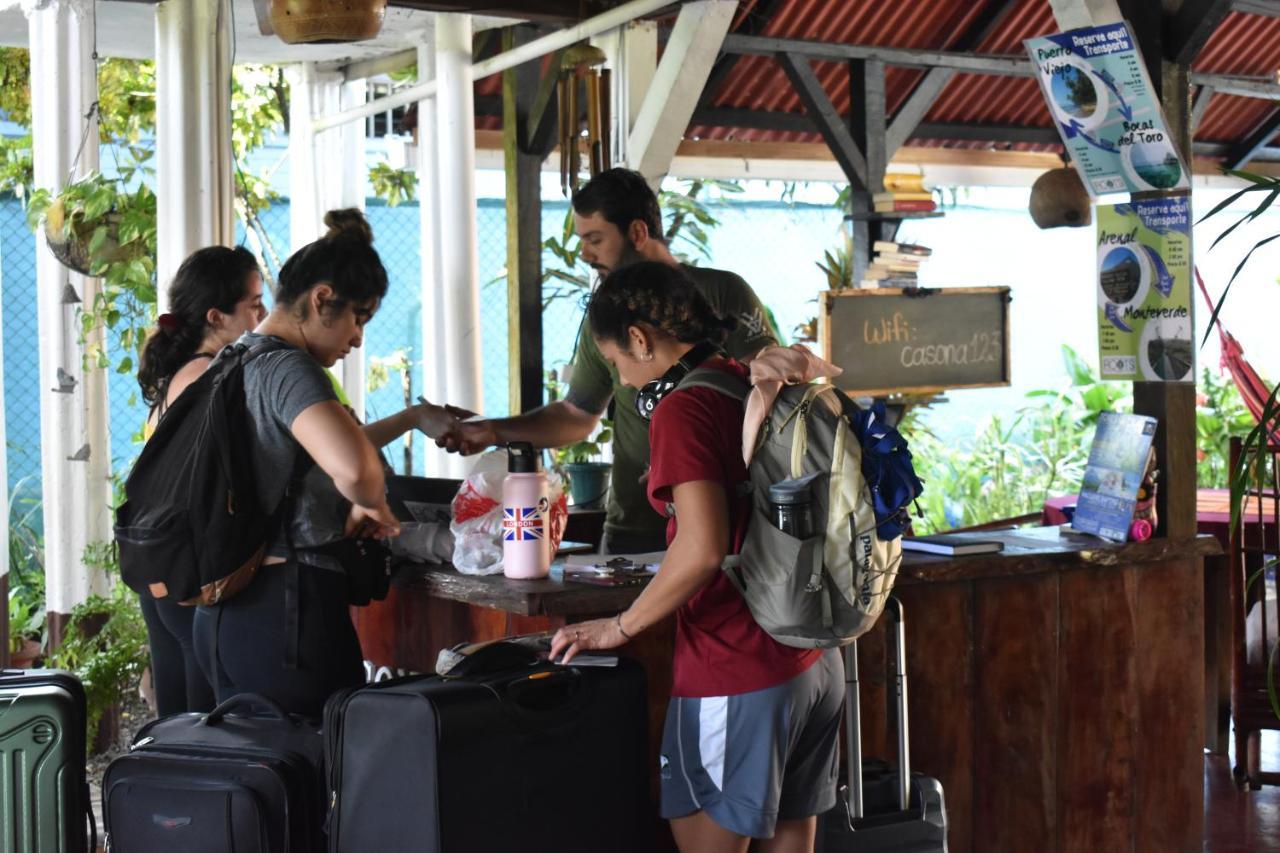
{"type": "Point", "coordinates": [526, 511]}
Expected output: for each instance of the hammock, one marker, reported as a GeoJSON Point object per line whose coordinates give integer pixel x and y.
{"type": "Point", "coordinates": [1253, 390]}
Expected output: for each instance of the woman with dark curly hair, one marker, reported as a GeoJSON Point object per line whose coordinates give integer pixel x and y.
{"type": "Point", "coordinates": [215, 297]}
{"type": "Point", "coordinates": [288, 635]}
{"type": "Point", "coordinates": [749, 749]}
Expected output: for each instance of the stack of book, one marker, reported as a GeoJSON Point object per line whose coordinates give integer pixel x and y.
{"type": "Point", "coordinates": [895, 264]}
{"type": "Point", "coordinates": [904, 193]}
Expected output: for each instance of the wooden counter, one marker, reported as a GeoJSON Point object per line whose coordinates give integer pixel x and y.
{"type": "Point", "coordinates": [1055, 688]}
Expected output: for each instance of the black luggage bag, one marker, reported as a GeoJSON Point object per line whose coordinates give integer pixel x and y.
{"type": "Point", "coordinates": [536, 757]}
{"type": "Point", "coordinates": [44, 796]}
{"type": "Point", "coordinates": [877, 811]}
{"type": "Point", "coordinates": [231, 779]}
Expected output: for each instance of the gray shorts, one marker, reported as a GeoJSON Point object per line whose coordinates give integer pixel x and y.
{"type": "Point", "coordinates": [753, 759]}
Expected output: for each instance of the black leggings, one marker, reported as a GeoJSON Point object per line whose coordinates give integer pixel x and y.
{"type": "Point", "coordinates": [180, 684]}
{"type": "Point", "coordinates": [249, 630]}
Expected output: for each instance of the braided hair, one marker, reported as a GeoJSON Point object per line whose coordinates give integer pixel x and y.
{"type": "Point", "coordinates": [344, 259]}
{"type": "Point", "coordinates": [658, 296]}
{"type": "Point", "coordinates": [214, 277]}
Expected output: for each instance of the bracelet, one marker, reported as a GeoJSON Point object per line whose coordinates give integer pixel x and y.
{"type": "Point", "coordinates": [623, 631]}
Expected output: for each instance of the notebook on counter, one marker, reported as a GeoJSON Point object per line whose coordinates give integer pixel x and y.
{"type": "Point", "coordinates": [951, 546]}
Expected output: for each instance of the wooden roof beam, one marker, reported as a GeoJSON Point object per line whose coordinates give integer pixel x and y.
{"type": "Point", "coordinates": [1198, 106]}
{"type": "Point", "coordinates": [1267, 8]}
{"type": "Point", "coordinates": [677, 85]}
{"type": "Point", "coordinates": [1249, 147]}
{"type": "Point", "coordinates": [1008, 65]}
{"type": "Point", "coordinates": [825, 119]}
{"type": "Point", "coordinates": [1188, 29]}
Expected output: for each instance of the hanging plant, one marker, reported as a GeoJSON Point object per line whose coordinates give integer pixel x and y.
{"type": "Point", "coordinates": [106, 227]}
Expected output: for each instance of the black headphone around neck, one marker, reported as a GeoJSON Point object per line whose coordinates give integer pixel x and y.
{"type": "Point", "coordinates": [648, 397]}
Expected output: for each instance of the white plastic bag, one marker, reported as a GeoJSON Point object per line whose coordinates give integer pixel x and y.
{"type": "Point", "coordinates": [423, 542]}
{"type": "Point", "coordinates": [477, 515]}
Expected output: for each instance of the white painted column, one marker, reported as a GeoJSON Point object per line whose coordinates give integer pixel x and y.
{"type": "Point", "coordinates": [676, 86]}
{"type": "Point", "coordinates": [326, 172]}
{"type": "Point", "coordinates": [456, 212]}
{"type": "Point", "coordinates": [311, 93]}
{"type": "Point", "coordinates": [194, 189]}
{"type": "Point", "coordinates": [342, 152]}
{"type": "Point", "coordinates": [75, 450]}
{"type": "Point", "coordinates": [434, 384]}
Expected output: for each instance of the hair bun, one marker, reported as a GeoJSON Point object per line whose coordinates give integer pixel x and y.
{"type": "Point", "coordinates": [348, 221]}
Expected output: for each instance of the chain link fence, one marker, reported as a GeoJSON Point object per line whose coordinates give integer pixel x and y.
{"type": "Point", "coordinates": [394, 339]}
{"type": "Point", "coordinates": [21, 351]}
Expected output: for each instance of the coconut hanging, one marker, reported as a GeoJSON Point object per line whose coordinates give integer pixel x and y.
{"type": "Point", "coordinates": [1059, 200]}
{"type": "Point", "coordinates": [326, 21]}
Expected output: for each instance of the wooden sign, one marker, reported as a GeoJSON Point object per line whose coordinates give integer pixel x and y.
{"type": "Point", "coordinates": [922, 340]}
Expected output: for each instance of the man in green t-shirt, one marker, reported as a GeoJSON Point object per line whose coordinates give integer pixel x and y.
{"type": "Point", "coordinates": [617, 218]}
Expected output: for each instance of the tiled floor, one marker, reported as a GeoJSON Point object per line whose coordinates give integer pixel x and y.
{"type": "Point", "coordinates": [1238, 821]}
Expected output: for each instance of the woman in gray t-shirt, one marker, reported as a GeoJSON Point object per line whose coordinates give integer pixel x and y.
{"type": "Point", "coordinates": [288, 635]}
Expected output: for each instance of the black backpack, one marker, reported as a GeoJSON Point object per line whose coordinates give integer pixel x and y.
{"type": "Point", "coordinates": [192, 518]}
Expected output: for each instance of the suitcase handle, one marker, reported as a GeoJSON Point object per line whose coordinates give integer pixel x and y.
{"type": "Point", "coordinates": [245, 700]}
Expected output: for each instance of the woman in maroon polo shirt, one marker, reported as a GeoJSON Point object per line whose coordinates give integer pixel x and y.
{"type": "Point", "coordinates": [749, 749]}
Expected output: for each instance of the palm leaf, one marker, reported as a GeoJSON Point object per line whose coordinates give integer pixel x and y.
{"type": "Point", "coordinates": [1213, 318]}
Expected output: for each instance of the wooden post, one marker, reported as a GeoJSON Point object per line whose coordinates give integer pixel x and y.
{"type": "Point", "coordinates": [1171, 403]}
{"type": "Point", "coordinates": [520, 92]}
{"type": "Point", "coordinates": [868, 127]}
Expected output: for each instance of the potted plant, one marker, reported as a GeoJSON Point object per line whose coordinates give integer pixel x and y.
{"type": "Point", "coordinates": [106, 227]}
{"type": "Point", "coordinates": [96, 222]}
{"type": "Point", "coordinates": [588, 476]}
{"type": "Point", "coordinates": [26, 631]}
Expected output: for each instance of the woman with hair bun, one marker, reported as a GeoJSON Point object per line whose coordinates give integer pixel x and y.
{"type": "Point", "coordinates": [215, 297]}
{"type": "Point", "coordinates": [288, 635]}
{"type": "Point", "coordinates": [749, 748]}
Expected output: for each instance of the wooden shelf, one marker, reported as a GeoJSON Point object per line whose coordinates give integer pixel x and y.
{"type": "Point", "coordinates": [905, 214]}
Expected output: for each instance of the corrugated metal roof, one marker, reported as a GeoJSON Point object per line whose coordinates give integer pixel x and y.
{"type": "Point", "coordinates": [1244, 44]}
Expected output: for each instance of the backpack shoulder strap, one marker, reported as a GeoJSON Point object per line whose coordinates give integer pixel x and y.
{"type": "Point", "coordinates": [717, 380]}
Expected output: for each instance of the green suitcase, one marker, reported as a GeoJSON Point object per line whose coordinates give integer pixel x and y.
{"type": "Point", "coordinates": [44, 795]}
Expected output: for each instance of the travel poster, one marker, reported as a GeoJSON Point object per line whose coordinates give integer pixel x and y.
{"type": "Point", "coordinates": [1117, 463]}
{"type": "Point", "coordinates": [1100, 97]}
{"type": "Point", "coordinates": [1144, 290]}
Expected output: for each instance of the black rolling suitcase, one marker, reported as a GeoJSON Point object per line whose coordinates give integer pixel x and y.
{"type": "Point", "coordinates": [878, 811]}
{"type": "Point", "coordinates": [246, 777]}
{"type": "Point", "coordinates": [44, 796]}
{"type": "Point", "coordinates": [534, 757]}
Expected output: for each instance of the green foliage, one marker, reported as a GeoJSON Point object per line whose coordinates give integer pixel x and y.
{"type": "Point", "coordinates": [587, 450]}
{"type": "Point", "coordinates": [391, 184]}
{"type": "Point", "coordinates": [689, 229]}
{"type": "Point", "coordinates": [15, 85]}
{"type": "Point", "coordinates": [111, 659]}
{"type": "Point", "coordinates": [116, 220]}
{"type": "Point", "coordinates": [26, 621]}
{"type": "Point", "coordinates": [17, 173]}
{"type": "Point", "coordinates": [837, 264]}
{"type": "Point", "coordinates": [572, 279]}
{"type": "Point", "coordinates": [689, 234]}
{"type": "Point", "coordinates": [1220, 414]}
{"type": "Point", "coordinates": [1251, 469]}
{"type": "Point", "coordinates": [126, 100]}
{"type": "Point", "coordinates": [380, 369]}
{"type": "Point", "coordinates": [1012, 465]}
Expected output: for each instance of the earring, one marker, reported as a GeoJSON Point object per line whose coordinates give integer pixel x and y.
{"type": "Point", "coordinates": [646, 356]}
